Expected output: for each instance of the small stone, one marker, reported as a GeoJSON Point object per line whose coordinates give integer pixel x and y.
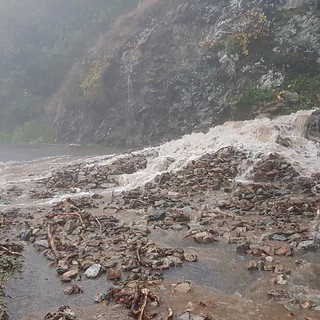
{"type": "Point", "coordinates": [69, 275]}
{"type": "Point", "coordinates": [103, 296]}
{"type": "Point", "coordinates": [176, 261]}
{"type": "Point", "coordinates": [87, 264]}
{"type": "Point", "coordinates": [308, 245]}
{"type": "Point", "coordinates": [307, 304]}
{"type": "Point", "coordinates": [25, 234]}
{"type": "Point", "coordinates": [3, 314]}
{"type": "Point", "coordinates": [198, 318]}
{"type": "Point", "coordinates": [96, 196]}
{"type": "Point", "coordinates": [156, 215]}
{"type": "Point", "coordinates": [69, 226]}
{"type": "Point", "coordinates": [113, 274]}
{"type": "Point", "coordinates": [75, 289]}
{"type": "Point", "coordinates": [185, 316]}
{"type": "Point", "coordinates": [282, 251]}
{"type": "Point", "coordinates": [291, 306]}
{"type": "Point", "coordinates": [191, 257]}
{"type": "Point", "coordinates": [253, 265]}
{"type": "Point", "coordinates": [42, 243]}
{"type": "Point", "coordinates": [281, 279]}
{"type": "Point", "coordinates": [278, 237]}
{"type": "Point", "coordinates": [93, 271]}
{"type": "Point", "coordinates": [204, 237]}
{"type": "Point", "coordinates": [61, 269]}
{"type": "Point", "coordinates": [243, 248]}
{"type": "Point", "coordinates": [268, 259]}
{"type": "Point", "coordinates": [183, 287]}
{"type": "Point", "coordinates": [190, 306]}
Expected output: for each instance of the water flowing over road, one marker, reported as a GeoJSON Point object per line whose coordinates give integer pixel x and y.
{"type": "Point", "coordinates": [233, 211]}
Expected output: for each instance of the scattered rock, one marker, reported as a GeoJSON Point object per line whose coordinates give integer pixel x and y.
{"type": "Point", "coordinates": [185, 316]}
{"type": "Point", "coordinates": [42, 243]}
{"type": "Point", "coordinates": [93, 271]}
{"type": "Point", "coordinates": [183, 287]}
{"type": "Point", "coordinates": [104, 296]}
{"type": "Point", "coordinates": [69, 275]}
{"type": "Point", "coordinates": [74, 289]}
{"type": "Point", "coordinates": [204, 237]}
{"type": "Point", "coordinates": [113, 274]}
{"type": "Point", "coordinates": [308, 245]}
{"type": "Point", "coordinates": [3, 314]}
{"type": "Point", "coordinates": [191, 257]}
{"type": "Point", "coordinates": [63, 313]}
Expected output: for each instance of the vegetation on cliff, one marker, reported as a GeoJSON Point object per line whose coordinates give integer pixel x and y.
{"type": "Point", "coordinates": [39, 43]}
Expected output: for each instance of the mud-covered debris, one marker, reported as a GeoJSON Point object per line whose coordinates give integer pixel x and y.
{"type": "Point", "coordinates": [243, 249]}
{"type": "Point", "coordinates": [74, 289]}
{"type": "Point", "coordinates": [278, 294]}
{"type": "Point", "coordinates": [11, 249]}
{"type": "Point", "coordinates": [113, 274]}
{"type": "Point", "coordinates": [185, 316]}
{"type": "Point", "coordinates": [311, 245]}
{"type": "Point", "coordinates": [191, 257]}
{"type": "Point", "coordinates": [103, 296]}
{"type": "Point", "coordinates": [155, 215]}
{"type": "Point", "coordinates": [183, 287]}
{"type": "Point", "coordinates": [85, 175]}
{"type": "Point", "coordinates": [63, 313]}
{"type": "Point", "coordinates": [204, 237]}
{"type": "Point", "coordinates": [69, 275]}
{"type": "Point", "coordinates": [3, 314]}
{"type": "Point", "coordinates": [42, 243]}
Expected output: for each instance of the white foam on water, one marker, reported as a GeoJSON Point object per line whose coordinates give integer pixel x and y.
{"type": "Point", "coordinates": [256, 137]}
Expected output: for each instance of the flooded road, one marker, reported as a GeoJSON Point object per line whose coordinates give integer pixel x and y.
{"type": "Point", "coordinates": [29, 152]}
{"type": "Point", "coordinates": [234, 219]}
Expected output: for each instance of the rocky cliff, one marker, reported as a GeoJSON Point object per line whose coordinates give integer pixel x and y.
{"type": "Point", "coordinates": [173, 67]}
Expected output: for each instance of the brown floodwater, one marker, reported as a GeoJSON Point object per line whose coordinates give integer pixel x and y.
{"type": "Point", "coordinates": [220, 275]}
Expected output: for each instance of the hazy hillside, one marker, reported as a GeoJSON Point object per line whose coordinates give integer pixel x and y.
{"type": "Point", "coordinates": [177, 66]}
{"type": "Point", "coordinates": [39, 42]}
{"type": "Point", "coordinates": [164, 69]}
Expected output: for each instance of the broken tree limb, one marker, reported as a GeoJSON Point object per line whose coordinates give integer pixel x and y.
{"type": "Point", "coordinates": [145, 292]}
{"type": "Point", "coordinates": [52, 244]}
{"type": "Point", "coordinates": [138, 255]}
{"type": "Point", "coordinates": [98, 222]}
{"type": "Point", "coordinates": [170, 315]}
{"type": "Point", "coordinates": [9, 252]}
{"type": "Point", "coordinates": [74, 214]}
{"type": "Point", "coordinates": [135, 303]}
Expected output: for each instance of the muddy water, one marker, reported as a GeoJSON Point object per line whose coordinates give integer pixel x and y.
{"type": "Point", "coordinates": [218, 267]}
{"type": "Point", "coordinates": [37, 288]}
{"type": "Point", "coordinates": [29, 152]}
{"type": "Point", "coordinates": [220, 274]}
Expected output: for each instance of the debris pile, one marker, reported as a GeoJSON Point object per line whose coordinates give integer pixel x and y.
{"type": "Point", "coordinates": [94, 175]}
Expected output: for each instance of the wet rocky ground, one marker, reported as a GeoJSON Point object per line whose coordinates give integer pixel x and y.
{"type": "Point", "coordinates": [227, 236]}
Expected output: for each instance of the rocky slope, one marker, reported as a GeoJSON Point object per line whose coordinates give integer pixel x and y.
{"type": "Point", "coordinates": [178, 66]}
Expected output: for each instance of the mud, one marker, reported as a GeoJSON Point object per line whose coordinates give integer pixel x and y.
{"type": "Point", "coordinates": [238, 225]}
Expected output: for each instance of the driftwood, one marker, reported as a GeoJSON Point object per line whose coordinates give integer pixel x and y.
{"type": "Point", "coordinates": [74, 214]}
{"type": "Point", "coordinates": [98, 222]}
{"type": "Point", "coordinates": [170, 315]}
{"type": "Point", "coordinates": [52, 244]}
{"type": "Point", "coordinates": [145, 292]}
{"type": "Point", "coordinates": [10, 252]}
{"type": "Point", "coordinates": [140, 298]}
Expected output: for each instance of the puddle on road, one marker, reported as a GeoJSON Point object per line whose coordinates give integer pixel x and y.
{"type": "Point", "coordinates": [218, 267]}
{"type": "Point", "coordinates": [38, 288]}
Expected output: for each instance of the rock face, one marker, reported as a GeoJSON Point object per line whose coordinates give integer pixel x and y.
{"type": "Point", "coordinates": [174, 67]}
